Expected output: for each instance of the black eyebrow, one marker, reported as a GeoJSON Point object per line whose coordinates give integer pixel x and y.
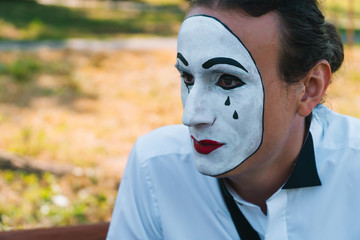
{"type": "Point", "coordinates": [223, 60]}
{"type": "Point", "coordinates": [181, 57]}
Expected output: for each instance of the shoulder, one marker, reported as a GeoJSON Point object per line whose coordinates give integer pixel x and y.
{"type": "Point", "coordinates": [337, 149]}
{"type": "Point", "coordinates": [173, 139]}
{"type": "Point", "coordinates": [335, 131]}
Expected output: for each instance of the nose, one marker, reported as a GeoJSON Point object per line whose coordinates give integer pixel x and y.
{"type": "Point", "coordinates": [197, 109]}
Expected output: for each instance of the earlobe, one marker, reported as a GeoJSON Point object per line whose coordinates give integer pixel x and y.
{"type": "Point", "coordinates": [314, 87]}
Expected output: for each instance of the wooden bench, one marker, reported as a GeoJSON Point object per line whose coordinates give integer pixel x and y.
{"type": "Point", "coordinates": [96, 231]}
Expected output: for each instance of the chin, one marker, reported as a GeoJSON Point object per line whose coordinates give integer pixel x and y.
{"type": "Point", "coordinates": [211, 168]}
{"type": "Point", "coordinates": [206, 167]}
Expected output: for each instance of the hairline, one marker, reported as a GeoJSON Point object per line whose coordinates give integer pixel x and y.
{"type": "Point", "coordinates": [280, 28]}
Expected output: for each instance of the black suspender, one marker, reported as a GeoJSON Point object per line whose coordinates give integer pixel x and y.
{"type": "Point", "coordinates": [243, 227]}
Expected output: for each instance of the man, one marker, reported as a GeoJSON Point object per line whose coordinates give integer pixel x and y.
{"type": "Point", "coordinates": [260, 158]}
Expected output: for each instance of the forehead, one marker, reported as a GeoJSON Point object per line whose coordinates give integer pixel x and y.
{"type": "Point", "coordinates": [260, 35]}
{"type": "Point", "coordinates": [203, 37]}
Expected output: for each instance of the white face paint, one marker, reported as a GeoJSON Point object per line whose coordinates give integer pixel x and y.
{"type": "Point", "coordinates": [222, 95]}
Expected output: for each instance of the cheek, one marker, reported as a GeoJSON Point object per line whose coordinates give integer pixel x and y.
{"type": "Point", "coordinates": [245, 114]}
{"type": "Point", "coordinates": [279, 111]}
{"type": "Point", "coordinates": [247, 106]}
{"type": "Point", "coordinates": [184, 94]}
{"type": "Point", "coordinates": [222, 106]}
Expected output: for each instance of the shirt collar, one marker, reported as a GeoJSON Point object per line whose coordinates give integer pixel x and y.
{"type": "Point", "coordinates": [305, 173]}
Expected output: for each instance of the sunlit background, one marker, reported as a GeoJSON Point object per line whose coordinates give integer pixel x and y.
{"type": "Point", "coordinates": [81, 80]}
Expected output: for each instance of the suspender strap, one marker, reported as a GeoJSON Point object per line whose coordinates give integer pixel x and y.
{"type": "Point", "coordinates": [243, 227]}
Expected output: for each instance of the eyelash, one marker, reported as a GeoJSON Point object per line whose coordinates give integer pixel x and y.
{"type": "Point", "coordinates": [222, 81]}
{"type": "Point", "coordinates": [185, 76]}
{"type": "Point", "coordinates": [235, 82]}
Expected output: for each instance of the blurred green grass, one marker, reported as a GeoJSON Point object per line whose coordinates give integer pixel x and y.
{"type": "Point", "coordinates": [80, 108]}
{"type": "Point", "coordinates": [29, 20]}
{"type": "Point", "coordinates": [18, 80]}
{"type": "Point", "coordinates": [45, 202]}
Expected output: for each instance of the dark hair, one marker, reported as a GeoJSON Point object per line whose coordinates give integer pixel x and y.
{"type": "Point", "coordinates": [306, 37]}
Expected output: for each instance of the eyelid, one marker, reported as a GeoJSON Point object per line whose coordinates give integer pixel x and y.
{"type": "Point", "coordinates": [228, 69]}
{"type": "Point", "coordinates": [237, 79]}
{"type": "Point", "coordinates": [180, 68]}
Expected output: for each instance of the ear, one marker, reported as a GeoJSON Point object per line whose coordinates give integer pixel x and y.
{"type": "Point", "coordinates": [314, 87]}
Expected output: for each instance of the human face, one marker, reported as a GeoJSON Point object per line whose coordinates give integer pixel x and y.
{"type": "Point", "coordinates": [222, 94]}
{"type": "Point", "coordinates": [283, 127]}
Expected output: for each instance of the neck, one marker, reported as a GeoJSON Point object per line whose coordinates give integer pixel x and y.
{"type": "Point", "coordinates": [270, 173]}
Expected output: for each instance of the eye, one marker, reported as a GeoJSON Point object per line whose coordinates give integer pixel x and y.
{"type": "Point", "coordinates": [187, 78]}
{"type": "Point", "coordinates": [227, 82]}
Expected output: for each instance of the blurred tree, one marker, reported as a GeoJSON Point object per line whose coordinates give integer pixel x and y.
{"type": "Point", "coordinates": [350, 27]}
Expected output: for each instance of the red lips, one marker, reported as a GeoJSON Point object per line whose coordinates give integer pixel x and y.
{"type": "Point", "coordinates": [206, 146]}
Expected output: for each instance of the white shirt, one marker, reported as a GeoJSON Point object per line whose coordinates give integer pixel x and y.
{"type": "Point", "coordinates": [162, 196]}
